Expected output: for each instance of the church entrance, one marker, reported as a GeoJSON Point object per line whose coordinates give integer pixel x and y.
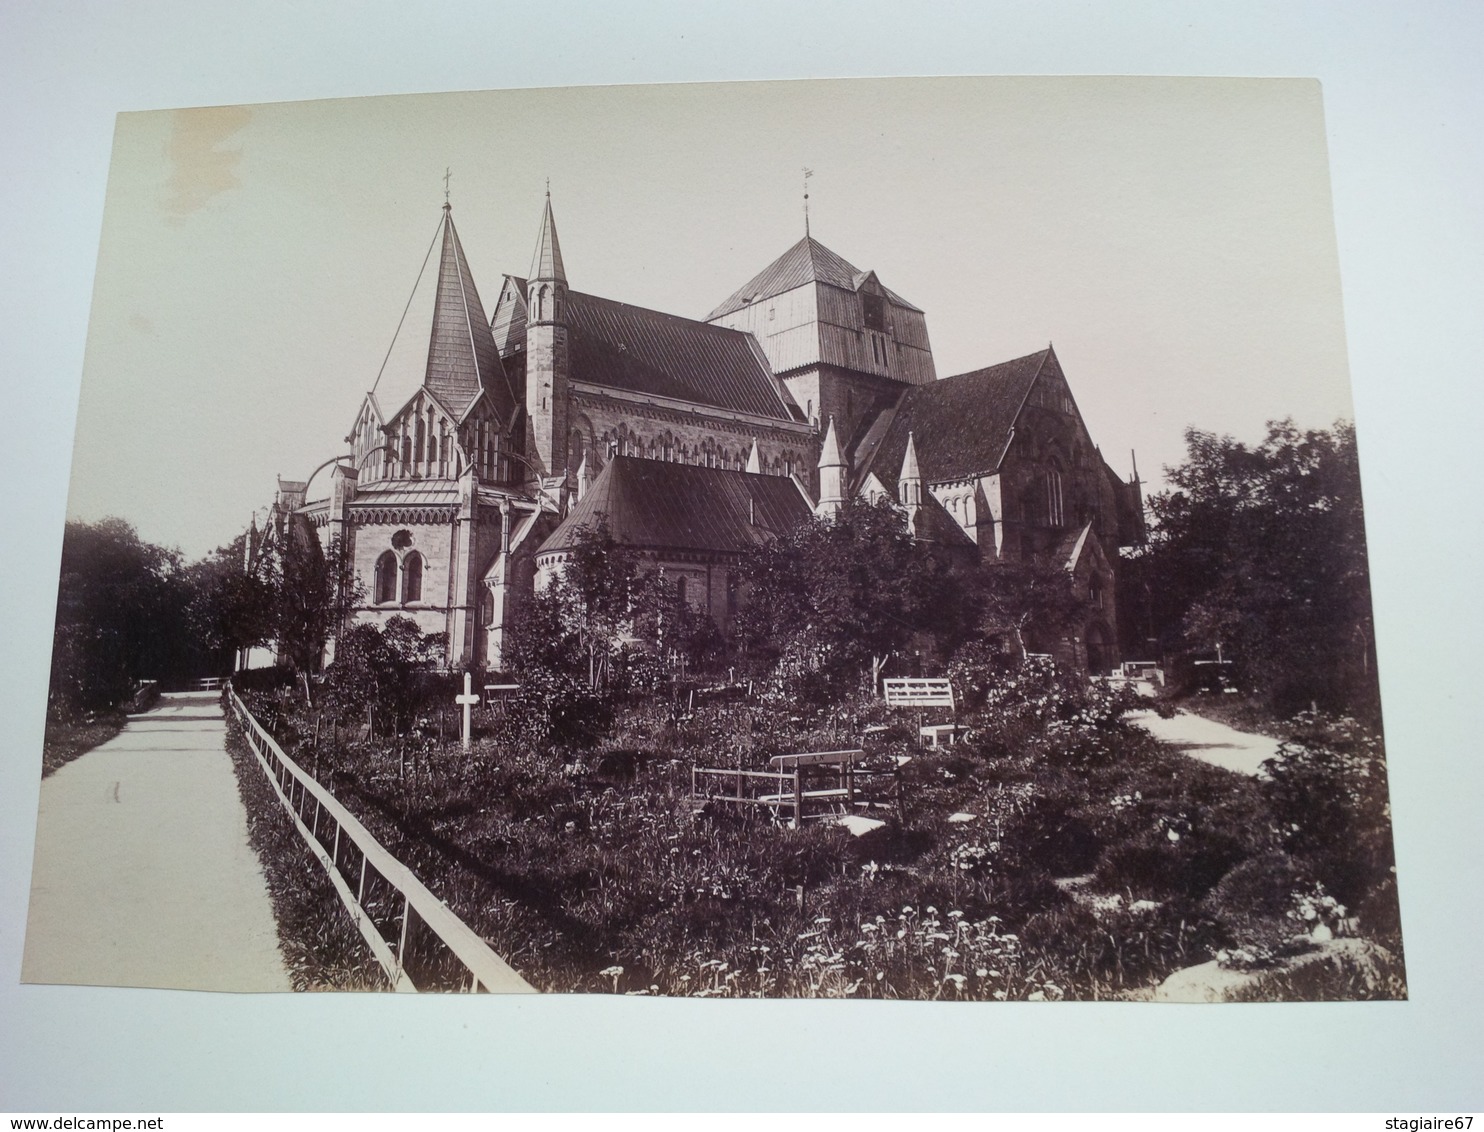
{"type": "Point", "coordinates": [1100, 655]}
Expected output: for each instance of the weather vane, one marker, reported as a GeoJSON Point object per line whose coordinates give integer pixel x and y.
{"type": "Point", "coordinates": [807, 174]}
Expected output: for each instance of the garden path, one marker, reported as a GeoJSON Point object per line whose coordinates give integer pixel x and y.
{"type": "Point", "coordinates": [143, 876]}
{"type": "Point", "coordinates": [1212, 742]}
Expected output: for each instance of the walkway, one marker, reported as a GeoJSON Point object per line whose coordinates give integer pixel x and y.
{"type": "Point", "coordinates": [1212, 742]}
{"type": "Point", "coordinates": [143, 876]}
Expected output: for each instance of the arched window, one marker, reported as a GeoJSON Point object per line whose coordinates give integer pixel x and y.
{"type": "Point", "coordinates": [680, 588]}
{"type": "Point", "coordinates": [1054, 513]}
{"type": "Point", "coordinates": [412, 578]}
{"type": "Point", "coordinates": [386, 578]}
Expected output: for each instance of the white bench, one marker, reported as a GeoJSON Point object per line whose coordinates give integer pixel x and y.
{"type": "Point", "coordinates": [826, 779]}
{"type": "Point", "coordinates": [921, 693]}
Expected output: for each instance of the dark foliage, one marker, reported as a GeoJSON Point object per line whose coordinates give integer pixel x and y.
{"type": "Point", "coordinates": [1262, 550]}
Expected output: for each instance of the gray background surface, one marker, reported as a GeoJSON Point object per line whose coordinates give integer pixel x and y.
{"type": "Point", "coordinates": [1404, 100]}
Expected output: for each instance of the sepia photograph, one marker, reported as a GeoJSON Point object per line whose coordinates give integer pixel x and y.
{"type": "Point", "coordinates": [891, 539]}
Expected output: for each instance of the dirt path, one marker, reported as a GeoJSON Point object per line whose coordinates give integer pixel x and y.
{"type": "Point", "coordinates": [143, 876]}
{"type": "Point", "coordinates": [1205, 739]}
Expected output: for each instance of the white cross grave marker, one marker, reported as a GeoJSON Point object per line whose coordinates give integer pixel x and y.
{"type": "Point", "coordinates": [467, 701]}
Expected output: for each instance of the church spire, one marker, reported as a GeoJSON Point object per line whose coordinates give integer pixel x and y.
{"type": "Point", "coordinates": [546, 264]}
{"type": "Point", "coordinates": [831, 473]}
{"type": "Point", "coordinates": [546, 352]}
{"type": "Point", "coordinates": [909, 482]}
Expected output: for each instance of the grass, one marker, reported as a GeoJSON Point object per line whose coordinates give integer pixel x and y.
{"type": "Point", "coordinates": [64, 742]}
{"type": "Point", "coordinates": [321, 948]}
{"type": "Point", "coordinates": [590, 870]}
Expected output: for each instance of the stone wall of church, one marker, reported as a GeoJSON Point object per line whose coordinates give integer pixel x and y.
{"type": "Point", "coordinates": [601, 425]}
{"type": "Point", "coordinates": [432, 543]}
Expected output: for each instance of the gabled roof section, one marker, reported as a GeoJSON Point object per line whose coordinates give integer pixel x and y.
{"type": "Point", "coordinates": [651, 504]}
{"type": "Point", "coordinates": [961, 425]}
{"type": "Point", "coordinates": [808, 261]}
{"type": "Point", "coordinates": [646, 351]}
{"type": "Point", "coordinates": [934, 524]}
{"type": "Point", "coordinates": [462, 359]}
{"type": "Point", "coordinates": [508, 322]}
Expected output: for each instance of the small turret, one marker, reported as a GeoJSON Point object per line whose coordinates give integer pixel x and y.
{"type": "Point", "coordinates": [754, 459]}
{"type": "Point", "coordinates": [546, 352]}
{"type": "Point", "coordinates": [831, 474]}
{"type": "Point", "coordinates": [909, 484]}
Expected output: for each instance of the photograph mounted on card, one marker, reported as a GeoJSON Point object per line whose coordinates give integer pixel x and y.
{"type": "Point", "coordinates": [661, 608]}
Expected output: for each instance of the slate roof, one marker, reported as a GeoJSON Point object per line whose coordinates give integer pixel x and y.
{"type": "Point", "coordinates": [653, 504]}
{"type": "Point", "coordinates": [960, 425]}
{"type": "Point", "coordinates": [646, 351]}
{"type": "Point", "coordinates": [547, 261]}
{"type": "Point", "coordinates": [808, 261]}
{"type": "Point", "coordinates": [462, 358]}
{"type": "Point", "coordinates": [934, 524]}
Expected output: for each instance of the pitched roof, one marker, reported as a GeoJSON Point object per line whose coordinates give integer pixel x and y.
{"type": "Point", "coordinates": [442, 342]}
{"type": "Point", "coordinates": [934, 524]}
{"type": "Point", "coordinates": [658, 505]}
{"type": "Point", "coordinates": [547, 262]}
{"type": "Point", "coordinates": [808, 261]}
{"type": "Point", "coordinates": [646, 351]}
{"type": "Point", "coordinates": [462, 359]}
{"type": "Point", "coordinates": [961, 425]}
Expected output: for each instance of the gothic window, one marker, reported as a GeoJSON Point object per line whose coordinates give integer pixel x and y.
{"type": "Point", "coordinates": [406, 454]}
{"type": "Point", "coordinates": [1054, 513]}
{"type": "Point", "coordinates": [417, 445]}
{"type": "Point", "coordinates": [412, 578]}
{"type": "Point", "coordinates": [386, 578]}
{"type": "Point", "coordinates": [680, 589]}
{"type": "Point", "coordinates": [1095, 592]}
{"type": "Point", "coordinates": [487, 608]}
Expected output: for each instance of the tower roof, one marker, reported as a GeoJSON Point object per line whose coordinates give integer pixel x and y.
{"type": "Point", "coordinates": [829, 450]}
{"type": "Point", "coordinates": [546, 264]}
{"type": "Point", "coordinates": [808, 261]}
{"type": "Point", "coordinates": [910, 470]}
{"type": "Point", "coordinates": [444, 342]}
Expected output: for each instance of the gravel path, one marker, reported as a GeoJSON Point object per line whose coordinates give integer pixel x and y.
{"type": "Point", "coordinates": [1205, 739]}
{"type": "Point", "coordinates": [143, 876]}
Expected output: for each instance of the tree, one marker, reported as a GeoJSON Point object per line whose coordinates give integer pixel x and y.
{"type": "Point", "coordinates": [840, 596]}
{"type": "Point", "coordinates": [120, 617]}
{"type": "Point", "coordinates": [316, 593]}
{"type": "Point", "coordinates": [1026, 605]}
{"type": "Point", "coordinates": [1262, 550]}
{"type": "Point", "coordinates": [232, 604]}
{"type": "Point", "coordinates": [382, 667]}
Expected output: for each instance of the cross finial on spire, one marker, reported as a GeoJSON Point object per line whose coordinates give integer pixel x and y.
{"type": "Point", "coordinates": [548, 188]}
{"type": "Point", "coordinates": [447, 176]}
{"type": "Point", "coordinates": [807, 174]}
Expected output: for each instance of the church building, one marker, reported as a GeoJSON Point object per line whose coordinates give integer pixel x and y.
{"type": "Point", "coordinates": [490, 440]}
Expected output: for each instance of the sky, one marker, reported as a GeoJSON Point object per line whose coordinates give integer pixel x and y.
{"type": "Point", "coordinates": [1173, 238]}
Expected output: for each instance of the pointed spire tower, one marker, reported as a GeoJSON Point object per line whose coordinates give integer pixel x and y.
{"type": "Point", "coordinates": [831, 474]}
{"type": "Point", "coordinates": [909, 484]}
{"type": "Point", "coordinates": [546, 352]}
{"type": "Point", "coordinates": [754, 459]}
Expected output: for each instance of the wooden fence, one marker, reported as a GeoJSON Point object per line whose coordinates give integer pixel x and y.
{"type": "Point", "coordinates": [415, 937]}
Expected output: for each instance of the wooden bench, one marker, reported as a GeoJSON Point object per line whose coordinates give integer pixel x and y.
{"type": "Point", "coordinates": [922, 693]}
{"type": "Point", "coordinates": [497, 697]}
{"type": "Point", "coordinates": [827, 779]}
